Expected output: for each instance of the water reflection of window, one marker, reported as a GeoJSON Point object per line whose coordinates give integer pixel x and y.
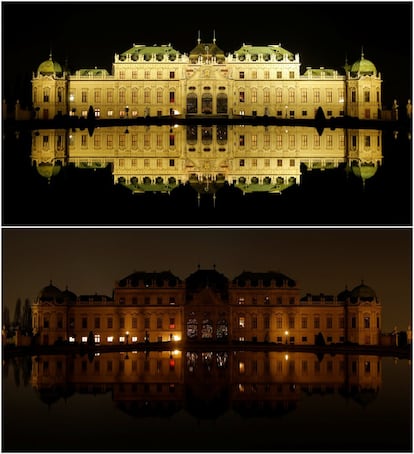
{"type": "Point", "coordinates": [192, 328]}
{"type": "Point", "coordinates": [207, 329]}
{"type": "Point", "coordinates": [221, 359]}
{"type": "Point", "coordinates": [206, 134]}
{"type": "Point", "coordinates": [207, 103]}
{"type": "Point", "coordinates": [221, 134]}
{"type": "Point", "coordinates": [192, 134]}
{"type": "Point", "coordinates": [191, 361]}
{"type": "Point", "coordinates": [222, 329]}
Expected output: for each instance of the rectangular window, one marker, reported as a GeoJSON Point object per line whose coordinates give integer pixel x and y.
{"type": "Point", "coordinates": [291, 321]}
{"type": "Point", "coordinates": [110, 322]}
{"type": "Point", "coordinates": [172, 97]}
{"type": "Point", "coordinates": [267, 162]}
{"type": "Point", "coordinates": [291, 74]}
{"type": "Point", "coordinates": [159, 323]}
{"type": "Point", "coordinates": [266, 322]}
{"type": "Point", "coordinates": [242, 322]}
{"type": "Point", "coordinates": [329, 322]}
{"type": "Point", "coordinates": [366, 96]}
{"type": "Point", "coordinates": [316, 96]}
{"type": "Point", "coordinates": [266, 75]}
{"type": "Point", "coordinates": [278, 74]}
{"type": "Point", "coordinates": [134, 322]}
{"type": "Point", "coordinates": [172, 75]}
{"type": "Point", "coordinates": [353, 322]}
{"type": "Point", "coordinates": [328, 95]}
{"type": "Point", "coordinates": [146, 322]}
{"type": "Point", "coordinates": [241, 75]}
{"type": "Point", "coordinates": [147, 96]}
{"type": "Point", "coordinates": [254, 96]}
{"type": "Point", "coordinates": [122, 322]}
{"type": "Point", "coordinates": [279, 322]}
{"type": "Point", "coordinates": [304, 96]}
{"type": "Point", "coordinates": [147, 75]}
{"type": "Point", "coordinates": [254, 322]}
{"type": "Point", "coordinates": [241, 162]}
{"type": "Point", "coordinates": [84, 322]}
{"type": "Point", "coordinates": [172, 163]}
{"type": "Point", "coordinates": [316, 322]}
{"type": "Point", "coordinates": [366, 322]}
{"type": "Point", "coordinates": [241, 96]}
{"type": "Point", "coordinates": [304, 322]}
{"type": "Point", "coordinates": [97, 322]}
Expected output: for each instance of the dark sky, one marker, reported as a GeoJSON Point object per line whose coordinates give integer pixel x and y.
{"type": "Point", "coordinates": [321, 261]}
{"type": "Point", "coordinates": [324, 34]}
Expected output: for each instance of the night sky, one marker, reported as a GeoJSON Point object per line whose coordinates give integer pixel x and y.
{"type": "Point", "coordinates": [324, 34]}
{"type": "Point", "coordinates": [89, 261]}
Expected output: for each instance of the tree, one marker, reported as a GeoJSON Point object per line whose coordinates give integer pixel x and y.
{"type": "Point", "coordinates": [17, 313]}
{"type": "Point", "coordinates": [26, 318]}
{"type": "Point", "coordinates": [6, 317]}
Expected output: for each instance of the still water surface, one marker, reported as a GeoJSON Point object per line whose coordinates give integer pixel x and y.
{"type": "Point", "coordinates": [244, 175]}
{"type": "Point", "coordinates": [204, 401]}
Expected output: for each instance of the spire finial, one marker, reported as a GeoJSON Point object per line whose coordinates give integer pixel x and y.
{"type": "Point", "coordinates": [214, 36]}
{"type": "Point", "coordinates": [362, 52]}
{"type": "Point", "coordinates": [199, 39]}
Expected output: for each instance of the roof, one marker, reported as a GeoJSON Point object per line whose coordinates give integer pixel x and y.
{"type": "Point", "coordinates": [207, 50]}
{"type": "Point", "coordinates": [363, 292]}
{"type": "Point", "coordinates": [207, 279]}
{"type": "Point", "coordinates": [148, 278]}
{"type": "Point", "coordinates": [93, 72]}
{"type": "Point", "coordinates": [147, 52]}
{"type": "Point", "coordinates": [266, 276]}
{"type": "Point", "coordinates": [363, 67]}
{"type": "Point", "coordinates": [49, 67]}
{"type": "Point", "coordinates": [266, 51]}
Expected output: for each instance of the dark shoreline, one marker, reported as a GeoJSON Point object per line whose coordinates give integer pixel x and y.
{"type": "Point", "coordinates": [403, 352]}
{"type": "Point", "coordinates": [66, 122]}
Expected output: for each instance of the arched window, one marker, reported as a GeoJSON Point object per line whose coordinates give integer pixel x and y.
{"type": "Point", "coordinates": [221, 103]}
{"type": "Point", "coordinates": [207, 103]}
{"type": "Point", "coordinates": [191, 103]}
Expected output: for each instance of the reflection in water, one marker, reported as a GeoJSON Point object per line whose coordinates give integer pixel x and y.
{"type": "Point", "coordinates": [207, 399]}
{"type": "Point", "coordinates": [205, 383]}
{"type": "Point", "coordinates": [251, 158]}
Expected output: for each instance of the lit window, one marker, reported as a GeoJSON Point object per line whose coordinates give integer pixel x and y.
{"type": "Point", "coordinates": [242, 322]}
{"type": "Point", "coordinates": [242, 367]}
{"type": "Point", "coordinates": [71, 339]}
{"type": "Point", "coordinates": [84, 339]}
{"type": "Point", "coordinates": [121, 339]}
{"type": "Point", "coordinates": [134, 339]}
{"type": "Point", "coordinates": [110, 339]}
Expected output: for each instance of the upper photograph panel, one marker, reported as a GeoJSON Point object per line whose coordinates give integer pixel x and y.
{"type": "Point", "coordinates": [275, 114]}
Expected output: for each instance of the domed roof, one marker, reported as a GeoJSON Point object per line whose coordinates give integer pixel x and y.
{"type": "Point", "coordinates": [50, 293]}
{"type": "Point", "coordinates": [207, 279]}
{"type": "Point", "coordinates": [49, 67]}
{"type": "Point", "coordinates": [363, 292]}
{"type": "Point", "coordinates": [69, 296]}
{"type": "Point", "coordinates": [344, 295]}
{"type": "Point", "coordinates": [363, 67]}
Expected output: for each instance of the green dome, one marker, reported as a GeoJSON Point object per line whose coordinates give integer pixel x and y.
{"type": "Point", "coordinates": [49, 67]}
{"type": "Point", "coordinates": [363, 67]}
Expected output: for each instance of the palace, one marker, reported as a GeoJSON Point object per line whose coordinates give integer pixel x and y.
{"type": "Point", "coordinates": [207, 84]}
{"type": "Point", "coordinates": [205, 307]}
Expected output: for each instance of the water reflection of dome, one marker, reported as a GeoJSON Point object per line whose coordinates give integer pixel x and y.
{"type": "Point", "coordinates": [364, 170]}
{"type": "Point", "coordinates": [148, 408]}
{"type": "Point", "coordinates": [52, 394]}
{"type": "Point", "coordinates": [48, 169]}
{"type": "Point", "coordinates": [264, 409]}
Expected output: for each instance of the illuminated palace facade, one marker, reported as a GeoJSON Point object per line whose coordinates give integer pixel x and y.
{"type": "Point", "coordinates": [159, 81]}
{"type": "Point", "coordinates": [205, 307]}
